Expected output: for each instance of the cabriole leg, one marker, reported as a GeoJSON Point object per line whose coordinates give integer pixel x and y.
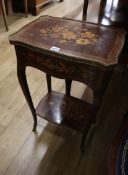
{"type": "Point", "coordinates": [24, 86]}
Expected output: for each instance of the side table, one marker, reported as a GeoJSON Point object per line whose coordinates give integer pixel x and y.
{"type": "Point", "coordinates": [71, 50]}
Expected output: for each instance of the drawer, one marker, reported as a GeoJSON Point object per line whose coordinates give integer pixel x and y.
{"type": "Point", "coordinates": [40, 2]}
{"type": "Point", "coordinates": [58, 67]}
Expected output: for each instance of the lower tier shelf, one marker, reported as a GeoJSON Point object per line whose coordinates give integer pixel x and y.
{"type": "Point", "coordinates": [65, 110]}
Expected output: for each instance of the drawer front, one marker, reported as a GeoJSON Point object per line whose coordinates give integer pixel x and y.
{"type": "Point", "coordinates": [39, 2]}
{"type": "Point", "coordinates": [58, 67]}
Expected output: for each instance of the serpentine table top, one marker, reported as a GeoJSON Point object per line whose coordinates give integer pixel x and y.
{"type": "Point", "coordinates": [74, 40]}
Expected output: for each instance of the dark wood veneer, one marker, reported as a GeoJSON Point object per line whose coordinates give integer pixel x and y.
{"type": "Point", "coordinates": [65, 110]}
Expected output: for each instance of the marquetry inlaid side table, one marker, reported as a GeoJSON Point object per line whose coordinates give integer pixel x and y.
{"type": "Point", "coordinates": [70, 50]}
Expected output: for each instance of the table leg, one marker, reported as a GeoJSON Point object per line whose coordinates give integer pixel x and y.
{"type": "Point", "coordinates": [48, 77]}
{"type": "Point", "coordinates": [6, 6]}
{"type": "Point", "coordinates": [85, 7]}
{"type": "Point", "coordinates": [67, 82]}
{"type": "Point", "coordinates": [84, 136]}
{"type": "Point", "coordinates": [101, 10]}
{"type": "Point", "coordinates": [4, 13]}
{"type": "Point", "coordinates": [26, 8]}
{"type": "Point", "coordinates": [96, 104]}
{"type": "Point", "coordinates": [24, 86]}
{"type": "Point", "coordinates": [68, 86]}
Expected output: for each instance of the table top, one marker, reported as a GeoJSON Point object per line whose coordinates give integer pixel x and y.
{"type": "Point", "coordinates": [72, 40]}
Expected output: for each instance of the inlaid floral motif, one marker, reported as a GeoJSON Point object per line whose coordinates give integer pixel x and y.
{"type": "Point", "coordinates": [82, 41]}
{"type": "Point", "coordinates": [66, 34]}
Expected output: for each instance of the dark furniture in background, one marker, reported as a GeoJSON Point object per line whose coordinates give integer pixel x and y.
{"type": "Point", "coordinates": [70, 50]}
{"type": "Point", "coordinates": [114, 13]}
{"type": "Point", "coordinates": [4, 6]}
{"type": "Point", "coordinates": [34, 6]}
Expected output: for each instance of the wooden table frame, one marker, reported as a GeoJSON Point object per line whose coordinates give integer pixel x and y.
{"type": "Point", "coordinates": [94, 74]}
{"type": "Point", "coordinates": [97, 88]}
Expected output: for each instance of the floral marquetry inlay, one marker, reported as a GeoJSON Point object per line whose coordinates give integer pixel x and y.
{"type": "Point", "coordinates": [64, 34]}
{"type": "Point", "coordinates": [72, 39]}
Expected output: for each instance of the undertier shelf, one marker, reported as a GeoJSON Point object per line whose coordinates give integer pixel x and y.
{"type": "Point", "coordinates": [65, 110]}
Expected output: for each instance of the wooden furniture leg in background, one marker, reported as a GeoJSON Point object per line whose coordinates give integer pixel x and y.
{"type": "Point", "coordinates": [26, 8]}
{"type": "Point", "coordinates": [4, 13]}
{"type": "Point", "coordinates": [6, 6]}
{"type": "Point", "coordinates": [101, 10]}
{"type": "Point", "coordinates": [85, 7]}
